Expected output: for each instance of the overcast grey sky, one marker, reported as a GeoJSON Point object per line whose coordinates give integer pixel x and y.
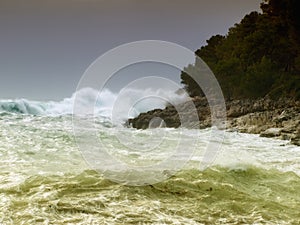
{"type": "Point", "coordinates": [46, 45]}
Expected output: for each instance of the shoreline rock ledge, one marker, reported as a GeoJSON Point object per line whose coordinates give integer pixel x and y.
{"type": "Point", "coordinates": [269, 118]}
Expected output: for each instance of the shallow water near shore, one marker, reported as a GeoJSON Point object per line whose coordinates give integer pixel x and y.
{"type": "Point", "coordinates": [45, 180]}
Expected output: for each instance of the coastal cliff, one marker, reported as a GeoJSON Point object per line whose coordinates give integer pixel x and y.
{"type": "Point", "coordinates": [258, 60]}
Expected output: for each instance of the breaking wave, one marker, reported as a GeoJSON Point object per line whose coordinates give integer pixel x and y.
{"type": "Point", "coordinates": [103, 107]}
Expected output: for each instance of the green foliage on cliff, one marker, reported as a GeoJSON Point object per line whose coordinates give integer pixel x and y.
{"type": "Point", "coordinates": [259, 56]}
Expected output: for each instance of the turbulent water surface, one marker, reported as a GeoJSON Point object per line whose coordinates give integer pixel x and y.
{"type": "Point", "coordinates": [45, 180]}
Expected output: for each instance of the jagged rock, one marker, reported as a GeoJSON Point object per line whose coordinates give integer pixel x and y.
{"type": "Point", "coordinates": [269, 118]}
{"type": "Point", "coordinates": [234, 111]}
{"type": "Point", "coordinates": [284, 116]}
{"type": "Point", "coordinates": [296, 140]}
{"type": "Point", "coordinates": [271, 132]}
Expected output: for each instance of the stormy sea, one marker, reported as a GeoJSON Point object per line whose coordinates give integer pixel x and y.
{"type": "Point", "coordinates": [46, 178]}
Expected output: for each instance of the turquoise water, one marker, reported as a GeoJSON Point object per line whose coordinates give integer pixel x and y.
{"type": "Point", "coordinates": [45, 180]}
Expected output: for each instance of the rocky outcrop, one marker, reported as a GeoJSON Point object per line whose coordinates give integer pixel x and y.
{"type": "Point", "coordinates": [271, 132]}
{"type": "Point", "coordinates": [296, 137]}
{"type": "Point", "coordinates": [269, 118]}
{"type": "Point", "coordinates": [171, 117]}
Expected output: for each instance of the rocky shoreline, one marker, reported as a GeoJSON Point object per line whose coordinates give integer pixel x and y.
{"type": "Point", "coordinates": [269, 118]}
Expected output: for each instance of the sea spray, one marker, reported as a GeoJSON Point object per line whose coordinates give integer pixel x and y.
{"type": "Point", "coordinates": [103, 106]}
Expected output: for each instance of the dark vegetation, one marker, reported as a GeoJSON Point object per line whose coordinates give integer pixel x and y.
{"type": "Point", "coordinates": [258, 57]}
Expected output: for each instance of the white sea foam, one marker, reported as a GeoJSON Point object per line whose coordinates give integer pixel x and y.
{"type": "Point", "coordinates": [104, 105]}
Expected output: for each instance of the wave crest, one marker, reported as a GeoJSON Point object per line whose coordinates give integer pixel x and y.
{"type": "Point", "coordinates": [22, 106]}
{"type": "Point", "coordinates": [103, 107]}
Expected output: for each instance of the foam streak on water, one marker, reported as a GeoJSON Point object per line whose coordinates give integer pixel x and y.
{"type": "Point", "coordinates": [45, 180]}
